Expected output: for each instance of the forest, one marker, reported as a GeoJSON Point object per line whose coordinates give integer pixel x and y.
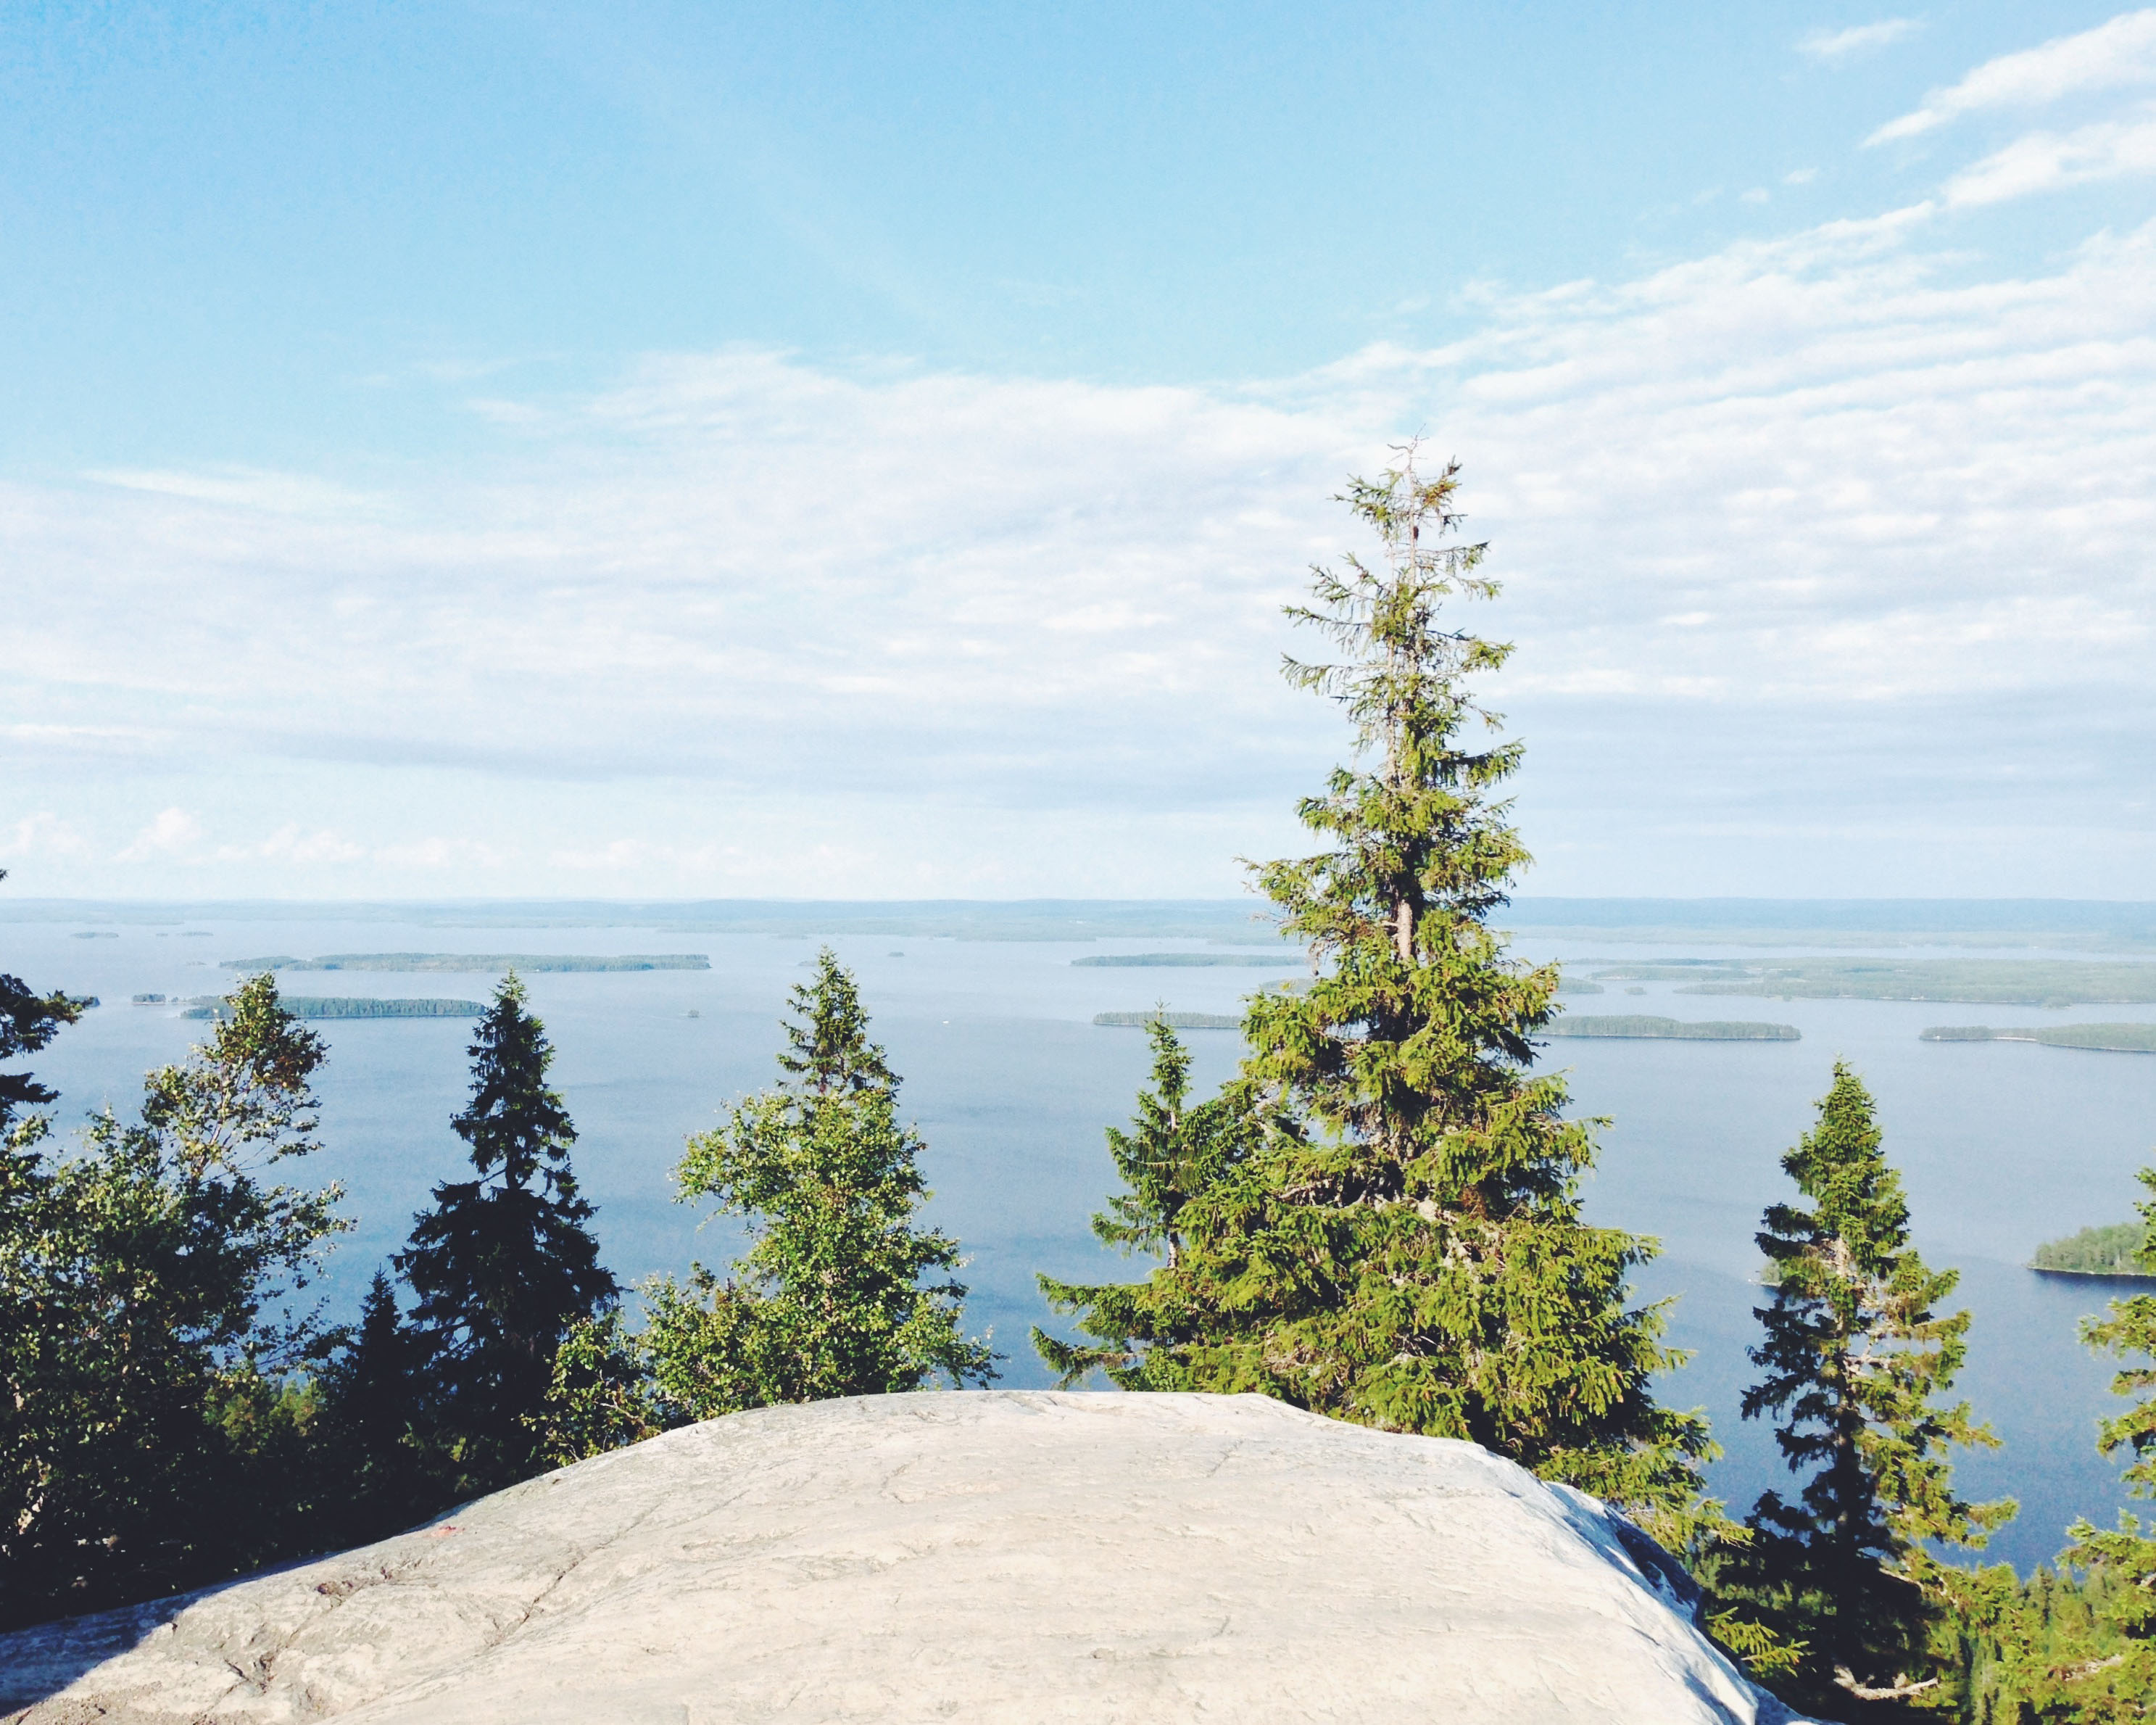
{"type": "Point", "coordinates": [1378, 1218]}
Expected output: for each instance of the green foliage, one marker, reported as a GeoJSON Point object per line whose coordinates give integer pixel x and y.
{"type": "Point", "coordinates": [830, 1299]}
{"type": "Point", "coordinates": [601, 1396]}
{"type": "Point", "coordinates": [1397, 1238]}
{"type": "Point", "coordinates": [151, 1348]}
{"type": "Point", "coordinates": [505, 1265]}
{"type": "Point", "coordinates": [1173, 1150]}
{"type": "Point", "coordinates": [1854, 1355]}
{"type": "Point", "coordinates": [372, 1434]}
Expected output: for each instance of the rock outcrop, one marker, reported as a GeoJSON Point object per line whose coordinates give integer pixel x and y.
{"type": "Point", "coordinates": [975, 1557]}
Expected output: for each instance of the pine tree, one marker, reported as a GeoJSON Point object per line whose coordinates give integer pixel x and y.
{"type": "Point", "coordinates": [1404, 1245]}
{"type": "Point", "coordinates": [830, 1299]}
{"type": "Point", "coordinates": [503, 1266]}
{"type": "Point", "coordinates": [1854, 1352]}
{"type": "Point", "coordinates": [1175, 1150]}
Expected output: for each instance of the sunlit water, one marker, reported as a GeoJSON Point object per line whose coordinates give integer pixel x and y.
{"type": "Point", "coordinates": [2002, 1145]}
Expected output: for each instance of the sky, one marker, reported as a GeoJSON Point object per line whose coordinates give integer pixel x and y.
{"type": "Point", "coordinates": [645, 450]}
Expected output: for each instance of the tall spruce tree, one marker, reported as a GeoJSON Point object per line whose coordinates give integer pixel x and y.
{"type": "Point", "coordinates": [1855, 1354]}
{"type": "Point", "coordinates": [833, 1298]}
{"type": "Point", "coordinates": [1402, 1245]}
{"type": "Point", "coordinates": [503, 1266]}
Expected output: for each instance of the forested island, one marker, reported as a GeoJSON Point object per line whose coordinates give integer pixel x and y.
{"type": "Point", "coordinates": [1981, 981]}
{"type": "Point", "coordinates": [2110, 1039]}
{"type": "Point", "coordinates": [348, 1006]}
{"type": "Point", "coordinates": [486, 962]}
{"type": "Point", "coordinates": [1173, 1020]}
{"type": "Point", "coordinates": [1176, 961]}
{"type": "Point", "coordinates": [2112, 1250]}
{"type": "Point", "coordinates": [1646, 1027]}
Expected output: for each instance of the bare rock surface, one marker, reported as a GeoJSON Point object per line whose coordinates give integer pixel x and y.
{"type": "Point", "coordinates": [979, 1557]}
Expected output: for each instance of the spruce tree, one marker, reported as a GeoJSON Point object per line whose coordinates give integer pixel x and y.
{"type": "Point", "coordinates": [830, 1299]}
{"type": "Point", "coordinates": [1402, 1245]}
{"type": "Point", "coordinates": [1855, 1351]}
{"type": "Point", "coordinates": [373, 1428]}
{"type": "Point", "coordinates": [2108, 1670]}
{"type": "Point", "coordinates": [1175, 1150]}
{"type": "Point", "coordinates": [503, 1265]}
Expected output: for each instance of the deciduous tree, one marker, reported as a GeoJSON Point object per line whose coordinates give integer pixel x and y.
{"type": "Point", "coordinates": [841, 1291]}
{"type": "Point", "coordinates": [155, 1350]}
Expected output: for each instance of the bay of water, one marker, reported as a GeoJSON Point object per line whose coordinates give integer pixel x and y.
{"type": "Point", "coordinates": [2001, 1145]}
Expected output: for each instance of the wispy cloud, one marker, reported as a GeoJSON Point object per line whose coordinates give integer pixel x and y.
{"type": "Point", "coordinates": [1826, 517]}
{"type": "Point", "coordinates": [2051, 161]}
{"type": "Point", "coordinates": [2119, 55]}
{"type": "Point", "coordinates": [1832, 45]}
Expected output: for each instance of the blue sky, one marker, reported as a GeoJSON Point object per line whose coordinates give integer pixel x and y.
{"type": "Point", "coordinates": [652, 451]}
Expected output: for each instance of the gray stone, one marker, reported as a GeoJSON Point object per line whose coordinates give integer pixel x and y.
{"type": "Point", "coordinates": [982, 1556]}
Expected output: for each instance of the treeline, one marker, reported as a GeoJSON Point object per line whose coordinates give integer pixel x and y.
{"type": "Point", "coordinates": [1377, 1219]}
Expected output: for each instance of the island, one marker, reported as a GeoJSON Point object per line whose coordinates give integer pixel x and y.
{"type": "Point", "coordinates": [483, 962]}
{"type": "Point", "coordinates": [1977, 982]}
{"type": "Point", "coordinates": [349, 1006]}
{"type": "Point", "coordinates": [1644, 1027]}
{"type": "Point", "coordinates": [2112, 1251]}
{"type": "Point", "coordinates": [1178, 960]}
{"type": "Point", "coordinates": [1175, 1020]}
{"type": "Point", "coordinates": [2105, 1039]}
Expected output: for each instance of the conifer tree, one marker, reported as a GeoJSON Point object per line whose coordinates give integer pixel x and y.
{"type": "Point", "coordinates": [830, 1299]}
{"type": "Point", "coordinates": [373, 1426]}
{"type": "Point", "coordinates": [1175, 1150]}
{"type": "Point", "coordinates": [1855, 1354]}
{"type": "Point", "coordinates": [503, 1265]}
{"type": "Point", "coordinates": [1404, 1245]}
{"type": "Point", "coordinates": [2108, 1671]}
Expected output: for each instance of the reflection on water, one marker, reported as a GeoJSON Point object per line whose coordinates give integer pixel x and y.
{"type": "Point", "coordinates": [2002, 1145]}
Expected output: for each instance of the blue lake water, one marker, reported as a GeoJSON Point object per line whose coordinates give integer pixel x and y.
{"type": "Point", "coordinates": [2001, 1145]}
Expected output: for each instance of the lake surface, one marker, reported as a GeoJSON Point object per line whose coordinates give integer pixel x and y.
{"type": "Point", "coordinates": [2002, 1145]}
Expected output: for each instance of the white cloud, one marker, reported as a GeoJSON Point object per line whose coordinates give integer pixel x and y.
{"type": "Point", "coordinates": [2118, 54]}
{"type": "Point", "coordinates": [1800, 176]}
{"type": "Point", "coordinates": [1821, 517]}
{"type": "Point", "coordinates": [1831, 45]}
{"type": "Point", "coordinates": [43, 835]}
{"type": "Point", "coordinates": [2051, 161]}
{"type": "Point", "coordinates": [246, 488]}
{"type": "Point", "coordinates": [174, 832]}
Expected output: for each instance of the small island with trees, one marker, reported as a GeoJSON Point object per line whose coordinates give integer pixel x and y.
{"type": "Point", "coordinates": [1644, 1027]}
{"type": "Point", "coordinates": [2109, 1251]}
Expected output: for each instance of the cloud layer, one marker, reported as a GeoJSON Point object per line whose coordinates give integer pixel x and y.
{"type": "Point", "coordinates": [1828, 559]}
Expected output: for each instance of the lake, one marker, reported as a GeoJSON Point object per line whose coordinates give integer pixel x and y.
{"type": "Point", "coordinates": [2002, 1145]}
